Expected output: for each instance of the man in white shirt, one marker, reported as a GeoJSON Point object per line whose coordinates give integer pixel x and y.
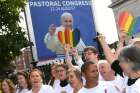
{"type": "Point", "coordinates": [109, 75]}
{"type": "Point", "coordinates": [129, 58]}
{"type": "Point", "coordinates": [90, 54]}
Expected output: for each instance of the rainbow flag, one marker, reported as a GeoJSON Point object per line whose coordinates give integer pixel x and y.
{"type": "Point", "coordinates": [69, 37]}
{"type": "Point", "coordinates": [136, 26]}
{"type": "Point", "coordinates": [128, 23]}
{"type": "Point", "coordinates": [61, 37]}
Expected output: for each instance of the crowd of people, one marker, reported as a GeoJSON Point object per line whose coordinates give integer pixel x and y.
{"type": "Point", "coordinates": [118, 73]}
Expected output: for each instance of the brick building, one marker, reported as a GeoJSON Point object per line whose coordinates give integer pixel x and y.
{"type": "Point", "coordinates": [22, 62]}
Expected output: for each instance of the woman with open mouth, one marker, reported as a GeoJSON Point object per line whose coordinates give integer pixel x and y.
{"type": "Point", "coordinates": [36, 79]}
{"type": "Point", "coordinates": [75, 79]}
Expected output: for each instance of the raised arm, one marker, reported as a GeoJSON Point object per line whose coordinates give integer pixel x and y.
{"type": "Point", "coordinates": [110, 57]}
{"type": "Point", "coordinates": [108, 53]}
{"type": "Point", "coordinates": [77, 58]}
{"type": "Point", "coordinates": [67, 56]}
{"type": "Point", "coordinates": [122, 37]}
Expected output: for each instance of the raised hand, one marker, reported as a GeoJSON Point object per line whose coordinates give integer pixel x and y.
{"type": "Point", "coordinates": [67, 47]}
{"type": "Point", "coordinates": [74, 51]}
{"type": "Point", "coordinates": [52, 29]}
{"type": "Point", "coordinates": [101, 38]}
{"type": "Point", "coordinates": [122, 36]}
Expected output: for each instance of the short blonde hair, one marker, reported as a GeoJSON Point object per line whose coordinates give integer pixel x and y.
{"type": "Point", "coordinates": [76, 72]}
{"type": "Point", "coordinates": [37, 70]}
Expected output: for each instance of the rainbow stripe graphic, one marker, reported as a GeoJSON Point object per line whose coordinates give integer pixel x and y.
{"type": "Point", "coordinates": [69, 37]}
{"type": "Point", "coordinates": [128, 23]}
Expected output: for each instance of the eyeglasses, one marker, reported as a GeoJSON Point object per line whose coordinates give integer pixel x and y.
{"type": "Point", "coordinates": [60, 70]}
{"type": "Point", "coordinates": [88, 53]}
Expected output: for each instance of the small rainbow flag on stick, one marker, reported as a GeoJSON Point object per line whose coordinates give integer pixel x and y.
{"type": "Point", "coordinates": [128, 23]}
{"type": "Point", "coordinates": [69, 37]}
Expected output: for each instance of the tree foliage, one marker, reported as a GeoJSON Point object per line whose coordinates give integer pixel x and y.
{"type": "Point", "coordinates": [12, 38]}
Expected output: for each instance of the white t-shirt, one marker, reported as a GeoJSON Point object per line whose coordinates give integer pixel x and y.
{"type": "Point", "coordinates": [119, 83]}
{"type": "Point", "coordinates": [71, 91]}
{"type": "Point", "coordinates": [102, 87]}
{"type": "Point", "coordinates": [66, 89]}
{"type": "Point", "coordinates": [135, 88]}
{"type": "Point", "coordinates": [44, 89]}
{"type": "Point", "coordinates": [22, 91]}
{"type": "Point", "coordinates": [56, 82]}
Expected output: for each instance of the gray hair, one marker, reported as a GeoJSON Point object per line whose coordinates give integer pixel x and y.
{"type": "Point", "coordinates": [66, 14]}
{"type": "Point", "coordinates": [130, 54]}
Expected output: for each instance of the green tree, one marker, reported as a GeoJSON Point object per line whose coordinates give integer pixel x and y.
{"type": "Point", "coordinates": [12, 38]}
